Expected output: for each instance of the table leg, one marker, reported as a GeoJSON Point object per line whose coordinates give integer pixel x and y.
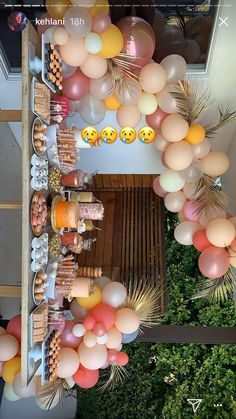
{"type": "Point", "coordinates": [10, 291]}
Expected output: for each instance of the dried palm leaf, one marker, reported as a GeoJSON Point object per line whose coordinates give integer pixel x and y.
{"type": "Point", "coordinates": [117, 376]}
{"type": "Point", "coordinates": [46, 394]}
{"type": "Point", "coordinates": [143, 297]}
{"type": "Point", "coordinates": [192, 99]}
{"type": "Point", "coordinates": [208, 198]}
{"type": "Point", "coordinates": [219, 289]}
{"type": "Point", "coordinates": [227, 114]}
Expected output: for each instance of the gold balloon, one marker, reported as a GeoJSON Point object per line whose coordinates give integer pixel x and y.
{"type": "Point", "coordinates": [58, 8]}
{"type": "Point", "coordinates": [10, 369]}
{"type": "Point", "coordinates": [101, 6]}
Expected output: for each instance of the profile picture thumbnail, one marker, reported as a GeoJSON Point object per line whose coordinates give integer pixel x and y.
{"type": "Point", "coordinates": [17, 21]}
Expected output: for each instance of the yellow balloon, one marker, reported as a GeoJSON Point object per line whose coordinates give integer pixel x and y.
{"type": "Point", "coordinates": [196, 134]}
{"type": "Point", "coordinates": [10, 369]}
{"type": "Point", "coordinates": [101, 6]}
{"type": "Point", "coordinates": [58, 8]}
{"type": "Point", "coordinates": [112, 42]}
{"type": "Point", "coordinates": [92, 300]}
{"type": "Point", "coordinates": [112, 103]}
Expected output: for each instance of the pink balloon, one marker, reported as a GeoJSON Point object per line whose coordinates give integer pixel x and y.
{"type": "Point", "coordinates": [101, 22]}
{"type": "Point", "coordinates": [157, 188]}
{"type": "Point", "coordinates": [213, 262]}
{"type": "Point", "coordinates": [155, 119]}
{"type": "Point", "coordinates": [76, 86]}
{"type": "Point", "coordinates": [99, 329]}
{"type": "Point", "coordinates": [190, 211]}
{"type": "Point", "coordinates": [14, 327]}
{"type": "Point", "coordinates": [122, 359]}
{"type": "Point", "coordinates": [89, 322]}
{"type": "Point", "coordinates": [67, 338]}
{"type": "Point", "coordinates": [163, 160]}
{"type": "Point", "coordinates": [85, 378]}
{"type": "Point", "coordinates": [78, 312]}
{"type": "Point", "coordinates": [112, 355]}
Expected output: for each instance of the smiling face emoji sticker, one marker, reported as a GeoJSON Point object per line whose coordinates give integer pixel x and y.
{"type": "Point", "coordinates": [127, 135]}
{"type": "Point", "coordinates": [89, 135]}
{"type": "Point", "coordinates": [108, 135]}
{"type": "Point", "coordinates": [146, 135]}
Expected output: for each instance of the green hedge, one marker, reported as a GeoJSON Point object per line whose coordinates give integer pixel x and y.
{"type": "Point", "coordinates": [162, 376]}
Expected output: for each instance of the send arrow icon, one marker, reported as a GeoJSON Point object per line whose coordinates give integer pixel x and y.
{"type": "Point", "coordinates": [195, 403]}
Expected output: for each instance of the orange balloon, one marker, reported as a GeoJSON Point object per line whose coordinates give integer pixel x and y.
{"type": "Point", "coordinates": [58, 8]}
{"type": "Point", "coordinates": [10, 369]}
{"type": "Point", "coordinates": [112, 103]}
{"type": "Point", "coordinates": [220, 232]}
{"type": "Point", "coordinates": [196, 134]}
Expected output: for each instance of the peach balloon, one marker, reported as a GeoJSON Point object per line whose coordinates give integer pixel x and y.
{"type": "Point", "coordinates": [161, 143]}
{"type": "Point", "coordinates": [128, 116]}
{"type": "Point", "coordinates": [74, 52]}
{"type": "Point", "coordinates": [166, 101]}
{"type": "Point", "coordinates": [94, 67]}
{"type": "Point", "coordinates": [214, 164]}
{"type": "Point", "coordinates": [202, 149]}
{"type": "Point", "coordinates": [174, 128]}
{"type": "Point", "coordinates": [69, 363]}
{"type": "Point", "coordinates": [127, 320]}
{"type": "Point", "coordinates": [152, 78]}
{"type": "Point", "coordinates": [90, 339]}
{"type": "Point", "coordinates": [174, 201]}
{"type": "Point", "coordinates": [114, 338]}
{"type": "Point", "coordinates": [9, 347]}
{"type": "Point", "coordinates": [184, 232]}
{"type": "Point", "coordinates": [92, 358]}
{"type": "Point", "coordinates": [179, 155]}
{"type": "Point", "coordinates": [61, 36]}
{"type": "Point", "coordinates": [220, 232]}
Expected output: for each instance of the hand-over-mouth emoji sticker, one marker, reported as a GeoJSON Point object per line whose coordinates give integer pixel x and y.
{"type": "Point", "coordinates": [146, 135]}
{"type": "Point", "coordinates": [108, 135]}
{"type": "Point", "coordinates": [90, 135]}
{"type": "Point", "coordinates": [127, 135]}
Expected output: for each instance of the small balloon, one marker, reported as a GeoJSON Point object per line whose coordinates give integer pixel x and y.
{"type": "Point", "coordinates": [175, 67]}
{"type": "Point", "coordinates": [68, 339]}
{"type": "Point", "coordinates": [157, 188]}
{"type": "Point", "coordinates": [174, 128]}
{"type": "Point", "coordinates": [114, 294]}
{"type": "Point", "coordinates": [78, 22]}
{"type": "Point", "coordinates": [101, 22]}
{"type": "Point", "coordinates": [155, 119]}
{"type": "Point", "coordinates": [129, 337]}
{"type": "Point", "coordinates": [102, 281]}
{"type": "Point", "coordinates": [171, 181]}
{"type": "Point", "coordinates": [184, 232]}
{"type": "Point", "coordinates": [166, 100]}
{"type": "Point", "coordinates": [174, 201]}
{"type": "Point", "coordinates": [93, 43]}
{"type": "Point", "coordinates": [127, 320]}
{"type": "Point", "coordinates": [14, 327]}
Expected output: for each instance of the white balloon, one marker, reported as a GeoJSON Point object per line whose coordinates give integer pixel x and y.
{"type": "Point", "coordinates": [93, 43]}
{"type": "Point", "coordinates": [171, 181]}
{"type": "Point", "coordinates": [101, 340]}
{"type": "Point", "coordinates": [175, 67]}
{"type": "Point", "coordinates": [114, 294]}
{"type": "Point", "coordinates": [9, 393]}
{"type": "Point", "coordinates": [78, 330]}
{"type": "Point", "coordinates": [102, 281]}
{"type": "Point", "coordinates": [147, 103]}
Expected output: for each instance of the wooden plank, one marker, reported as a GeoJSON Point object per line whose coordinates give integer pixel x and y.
{"type": "Point", "coordinates": [28, 35]}
{"type": "Point", "coordinates": [10, 115]}
{"type": "Point", "coordinates": [106, 181]}
{"type": "Point", "coordinates": [148, 233]}
{"type": "Point", "coordinates": [131, 236]}
{"type": "Point", "coordinates": [144, 253]}
{"type": "Point", "coordinates": [138, 181]}
{"type": "Point", "coordinates": [127, 236]}
{"type": "Point", "coordinates": [114, 181]}
{"type": "Point", "coordinates": [140, 233]}
{"type": "Point", "coordinates": [202, 335]}
{"type": "Point", "coordinates": [130, 181]}
{"type": "Point", "coordinates": [151, 226]}
{"type": "Point", "coordinates": [136, 228]}
{"type": "Point", "coordinates": [161, 254]}
{"type": "Point", "coordinates": [123, 253]}
{"type": "Point", "coordinates": [108, 233]}
{"type": "Point", "coordinates": [10, 291]}
{"type": "Point", "coordinates": [146, 181]}
{"type": "Point", "coordinates": [117, 236]}
{"type": "Point", "coordinates": [10, 205]}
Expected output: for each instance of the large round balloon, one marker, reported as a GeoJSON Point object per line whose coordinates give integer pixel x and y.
{"type": "Point", "coordinates": [127, 320]}
{"type": "Point", "coordinates": [85, 378]}
{"type": "Point", "coordinates": [68, 339]}
{"type": "Point", "coordinates": [90, 339]}
{"type": "Point", "coordinates": [157, 187]}
{"type": "Point", "coordinates": [114, 294]}
{"type": "Point", "coordinates": [202, 149]}
{"type": "Point", "coordinates": [112, 42]}
{"type": "Point", "coordinates": [76, 86]}
{"type": "Point", "coordinates": [179, 156]}
{"type": "Point", "coordinates": [174, 128]}
{"type": "Point", "coordinates": [92, 358]}
{"type": "Point", "coordinates": [128, 116]}
{"type": "Point", "coordinates": [174, 201]}
{"type": "Point", "coordinates": [191, 174]}
{"type": "Point", "coordinates": [10, 369]}
{"type": "Point", "coordinates": [139, 41]}
{"type": "Point", "coordinates": [216, 163]}
{"type": "Point", "coordinates": [103, 87]}
{"type": "Point", "coordinates": [114, 338]}
{"type": "Point", "coordinates": [171, 181]}
{"type": "Point", "coordinates": [102, 281]}
{"type": "Point", "coordinates": [14, 327]}
{"type": "Point", "coordinates": [9, 393]}
{"type": "Point", "coordinates": [122, 359]}
{"type": "Point", "coordinates": [92, 300]}
{"type": "Point", "coordinates": [61, 36]}
{"type": "Point", "coordinates": [171, 41]}
{"type": "Point", "coordinates": [92, 110]}
{"type": "Point", "coordinates": [175, 67]}
{"type": "Point", "coordinates": [23, 391]}
{"type": "Point", "coordinates": [184, 232]}
{"type": "Point", "coordinates": [200, 240]}
{"type": "Point", "coordinates": [74, 52]}
{"type": "Point", "coordinates": [152, 78]}
{"type": "Point", "coordinates": [9, 347]}
{"type": "Point", "coordinates": [129, 337]}
{"type": "Point", "coordinates": [67, 70]}
{"type": "Point", "coordinates": [78, 312]}
{"type": "Point", "coordinates": [78, 22]}
{"type": "Point", "coordinates": [94, 67]}
{"type": "Point", "coordinates": [104, 314]}
{"type": "Point", "coordinates": [213, 262]}
{"type": "Point", "coordinates": [57, 10]}
{"type": "Point", "coordinates": [69, 363]}
{"type": "Point", "coordinates": [155, 119]}
{"type": "Point", "coordinates": [101, 22]}
{"type": "Point", "coordinates": [2, 331]}
{"type": "Point", "coordinates": [220, 232]}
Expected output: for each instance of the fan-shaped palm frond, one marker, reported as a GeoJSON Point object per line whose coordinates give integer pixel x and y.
{"type": "Point", "coordinates": [208, 198]}
{"type": "Point", "coordinates": [192, 99]}
{"type": "Point", "coordinates": [117, 376]}
{"type": "Point", "coordinates": [226, 115]}
{"type": "Point", "coordinates": [219, 289]}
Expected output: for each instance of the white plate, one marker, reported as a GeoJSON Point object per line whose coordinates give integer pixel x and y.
{"type": "Point", "coordinates": [32, 137]}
